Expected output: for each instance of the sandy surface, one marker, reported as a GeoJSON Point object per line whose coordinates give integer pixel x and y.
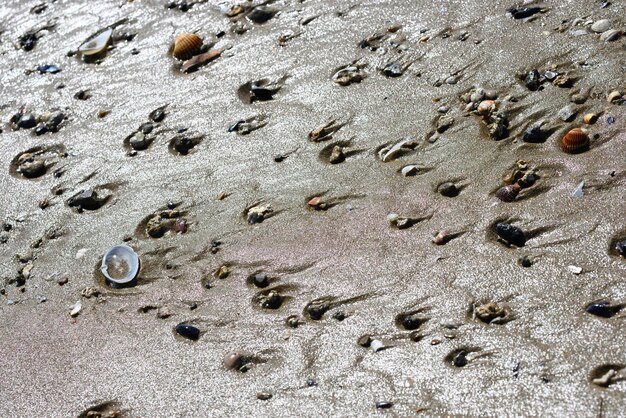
{"type": "Point", "coordinates": [122, 348]}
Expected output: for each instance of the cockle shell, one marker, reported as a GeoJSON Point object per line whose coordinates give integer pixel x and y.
{"type": "Point", "coordinates": [509, 192]}
{"type": "Point", "coordinates": [186, 45]}
{"type": "Point", "coordinates": [575, 141]}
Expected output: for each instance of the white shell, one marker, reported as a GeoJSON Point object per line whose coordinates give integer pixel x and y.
{"type": "Point", "coordinates": [120, 264]}
{"type": "Point", "coordinates": [377, 345]}
{"type": "Point", "coordinates": [96, 44]}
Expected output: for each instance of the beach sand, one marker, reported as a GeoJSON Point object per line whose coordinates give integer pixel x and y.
{"type": "Point", "coordinates": [364, 274]}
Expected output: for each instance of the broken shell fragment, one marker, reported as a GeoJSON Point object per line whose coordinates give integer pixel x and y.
{"type": "Point", "coordinates": [120, 264]}
{"type": "Point", "coordinates": [199, 60]}
{"type": "Point", "coordinates": [186, 45]}
{"type": "Point", "coordinates": [486, 107]}
{"type": "Point", "coordinates": [97, 43]}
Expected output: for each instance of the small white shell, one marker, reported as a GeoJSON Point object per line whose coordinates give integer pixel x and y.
{"type": "Point", "coordinates": [120, 264]}
{"type": "Point", "coordinates": [377, 345]}
{"type": "Point", "coordinates": [76, 309]}
{"type": "Point", "coordinates": [578, 192]}
{"type": "Point", "coordinates": [96, 44]}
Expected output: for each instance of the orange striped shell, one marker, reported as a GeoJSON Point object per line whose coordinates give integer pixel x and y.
{"type": "Point", "coordinates": [575, 141]}
{"type": "Point", "coordinates": [187, 45]}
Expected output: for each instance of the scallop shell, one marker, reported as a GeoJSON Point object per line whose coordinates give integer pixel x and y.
{"type": "Point", "coordinates": [120, 264]}
{"type": "Point", "coordinates": [508, 193]}
{"type": "Point", "coordinates": [575, 141]}
{"type": "Point", "coordinates": [186, 45]}
{"type": "Point", "coordinates": [97, 43]}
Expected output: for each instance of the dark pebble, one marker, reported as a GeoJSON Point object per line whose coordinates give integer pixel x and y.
{"type": "Point", "coordinates": [339, 316]}
{"type": "Point", "coordinates": [158, 115]}
{"type": "Point", "coordinates": [260, 280]}
{"type": "Point", "coordinates": [28, 41]}
{"type": "Point", "coordinates": [364, 341]}
{"type": "Point", "coordinates": [82, 95]}
{"type": "Point", "coordinates": [311, 382]}
{"type": "Point", "coordinates": [393, 70]}
{"type": "Point", "coordinates": [86, 199]}
{"type": "Point", "coordinates": [525, 262]}
{"type": "Point", "coordinates": [384, 404]}
{"type": "Point", "coordinates": [524, 12]}
{"type": "Point", "coordinates": [533, 80]}
{"type": "Point", "coordinates": [460, 360]}
{"type": "Point", "coordinates": [534, 134]}
{"type": "Point", "coordinates": [448, 189]}
{"type": "Point", "coordinates": [48, 68]}
{"type": "Point", "coordinates": [188, 331]}
{"type": "Point", "coordinates": [602, 309]}
{"type": "Point", "coordinates": [41, 129]}
{"type": "Point", "coordinates": [27, 121]}
{"type": "Point", "coordinates": [261, 14]}
{"type": "Point", "coordinates": [621, 248]}
{"type": "Point", "coordinates": [511, 234]}
{"type": "Point", "coordinates": [317, 310]}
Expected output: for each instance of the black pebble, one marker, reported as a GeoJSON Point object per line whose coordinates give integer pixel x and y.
{"type": "Point", "coordinates": [261, 14]}
{"type": "Point", "coordinates": [28, 41]}
{"type": "Point", "coordinates": [533, 80]}
{"type": "Point", "coordinates": [511, 234]}
{"type": "Point", "coordinates": [460, 360]}
{"type": "Point", "coordinates": [41, 129]}
{"type": "Point", "coordinates": [602, 309]}
{"type": "Point", "coordinates": [621, 248]}
{"type": "Point", "coordinates": [27, 121]}
{"type": "Point", "coordinates": [188, 331]}
{"type": "Point", "coordinates": [157, 115]}
{"type": "Point", "coordinates": [524, 12]}
{"type": "Point", "coordinates": [384, 405]}
{"type": "Point", "coordinates": [311, 382]}
{"type": "Point", "coordinates": [260, 280]}
{"type": "Point", "coordinates": [339, 316]}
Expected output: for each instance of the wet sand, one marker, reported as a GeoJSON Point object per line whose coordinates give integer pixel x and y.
{"type": "Point", "coordinates": [540, 359]}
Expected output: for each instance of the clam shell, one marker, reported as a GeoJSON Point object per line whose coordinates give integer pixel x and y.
{"type": "Point", "coordinates": [97, 43]}
{"type": "Point", "coordinates": [508, 193]}
{"type": "Point", "coordinates": [186, 45]}
{"type": "Point", "coordinates": [575, 141]}
{"type": "Point", "coordinates": [120, 264]}
{"type": "Point", "coordinates": [590, 118]}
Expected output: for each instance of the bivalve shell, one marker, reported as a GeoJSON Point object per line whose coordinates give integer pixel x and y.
{"type": "Point", "coordinates": [508, 193]}
{"type": "Point", "coordinates": [614, 96]}
{"type": "Point", "coordinates": [186, 45]}
{"type": "Point", "coordinates": [610, 35]}
{"type": "Point", "coordinates": [590, 118]}
{"type": "Point", "coordinates": [575, 141]}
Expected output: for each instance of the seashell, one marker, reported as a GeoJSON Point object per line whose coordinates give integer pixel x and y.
{"type": "Point", "coordinates": [511, 234]}
{"type": "Point", "coordinates": [186, 45]}
{"type": "Point", "coordinates": [601, 26]}
{"type": "Point", "coordinates": [441, 238]}
{"type": "Point", "coordinates": [120, 264]}
{"type": "Point", "coordinates": [188, 331]}
{"type": "Point", "coordinates": [610, 35]}
{"type": "Point", "coordinates": [603, 309]}
{"type": "Point", "coordinates": [575, 141]}
{"type": "Point", "coordinates": [199, 60]}
{"type": "Point", "coordinates": [590, 118]}
{"type": "Point", "coordinates": [508, 193]}
{"type": "Point", "coordinates": [96, 43]}
{"type": "Point", "coordinates": [614, 96]}
{"type": "Point", "coordinates": [234, 360]}
{"type": "Point", "coordinates": [486, 107]}
{"type": "Point", "coordinates": [317, 203]}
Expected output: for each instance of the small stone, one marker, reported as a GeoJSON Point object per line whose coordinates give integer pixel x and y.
{"type": "Point", "coordinates": [384, 405]}
{"type": "Point", "coordinates": [525, 262]}
{"type": "Point", "coordinates": [188, 331]}
{"type": "Point", "coordinates": [567, 113]}
{"type": "Point", "coordinates": [261, 14]}
{"type": "Point", "coordinates": [264, 396]}
{"type": "Point", "coordinates": [364, 341]}
{"type": "Point", "coordinates": [260, 280]}
{"type": "Point", "coordinates": [574, 269]}
{"type": "Point", "coordinates": [336, 156]}
{"type": "Point", "coordinates": [62, 280]}
{"type": "Point", "coordinates": [448, 189]}
{"type": "Point", "coordinates": [441, 238]}
{"type": "Point", "coordinates": [533, 80]}
{"type": "Point", "coordinates": [601, 26]}
{"type": "Point", "coordinates": [444, 123]}
{"type": "Point", "coordinates": [578, 98]}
